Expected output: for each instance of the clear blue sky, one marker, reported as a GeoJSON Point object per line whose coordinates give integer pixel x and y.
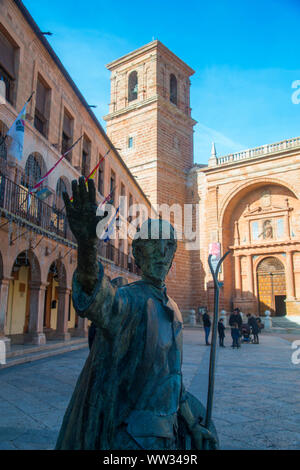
{"type": "Point", "coordinates": [245, 55]}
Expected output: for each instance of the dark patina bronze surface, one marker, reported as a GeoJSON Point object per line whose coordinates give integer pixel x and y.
{"type": "Point", "coordinates": [130, 393]}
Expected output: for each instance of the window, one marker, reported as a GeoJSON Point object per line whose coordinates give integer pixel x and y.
{"type": "Point", "coordinates": [86, 153]}
{"type": "Point", "coordinates": [132, 86]}
{"type": "Point", "coordinates": [130, 142]}
{"type": "Point", "coordinates": [173, 89]}
{"type": "Point", "coordinates": [130, 204]}
{"type": "Point", "coordinates": [67, 135]}
{"type": "Point", "coordinates": [101, 180]}
{"type": "Point", "coordinates": [112, 187]}
{"type": "Point", "coordinates": [7, 65]}
{"type": "Point", "coordinates": [60, 189]}
{"type": "Point", "coordinates": [42, 107]}
{"type": "Point", "coordinates": [33, 172]}
{"type": "Point", "coordinates": [3, 146]}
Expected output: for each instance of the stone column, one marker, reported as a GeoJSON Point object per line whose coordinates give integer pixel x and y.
{"type": "Point", "coordinates": [35, 333]}
{"type": "Point", "coordinates": [287, 226]}
{"type": "Point", "coordinates": [82, 328]}
{"type": "Point", "coordinates": [238, 279]}
{"type": "Point", "coordinates": [290, 284]}
{"type": "Point", "coordinates": [4, 289]}
{"type": "Point", "coordinates": [63, 314]}
{"type": "Point", "coordinates": [250, 276]}
{"type": "Point", "coordinates": [236, 233]}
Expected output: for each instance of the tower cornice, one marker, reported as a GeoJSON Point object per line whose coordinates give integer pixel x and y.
{"type": "Point", "coordinates": [161, 102]}
{"type": "Point", "coordinates": [153, 45]}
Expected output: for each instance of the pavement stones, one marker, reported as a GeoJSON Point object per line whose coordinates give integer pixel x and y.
{"type": "Point", "coordinates": [256, 404]}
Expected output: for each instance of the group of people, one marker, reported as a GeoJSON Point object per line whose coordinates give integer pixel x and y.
{"type": "Point", "coordinates": [254, 325]}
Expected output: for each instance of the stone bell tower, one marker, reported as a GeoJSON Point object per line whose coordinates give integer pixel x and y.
{"type": "Point", "coordinates": [150, 121]}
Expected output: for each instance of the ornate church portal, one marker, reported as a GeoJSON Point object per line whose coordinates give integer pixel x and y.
{"type": "Point", "coordinates": [271, 286]}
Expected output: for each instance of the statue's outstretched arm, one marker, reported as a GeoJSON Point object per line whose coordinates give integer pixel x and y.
{"type": "Point", "coordinates": [81, 213]}
{"type": "Point", "coordinates": [92, 292]}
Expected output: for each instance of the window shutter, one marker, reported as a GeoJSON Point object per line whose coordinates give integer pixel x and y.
{"type": "Point", "coordinates": [7, 55]}
{"type": "Point", "coordinates": [41, 97]}
{"type": "Point", "coordinates": [67, 125]}
{"type": "Point", "coordinates": [86, 146]}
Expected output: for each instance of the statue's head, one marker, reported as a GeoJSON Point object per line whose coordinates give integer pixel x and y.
{"type": "Point", "coordinates": [154, 247]}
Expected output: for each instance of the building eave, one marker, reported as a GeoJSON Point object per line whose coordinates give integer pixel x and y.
{"type": "Point", "coordinates": [76, 90]}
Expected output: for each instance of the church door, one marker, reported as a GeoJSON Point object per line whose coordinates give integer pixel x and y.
{"type": "Point", "coordinates": [271, 286]}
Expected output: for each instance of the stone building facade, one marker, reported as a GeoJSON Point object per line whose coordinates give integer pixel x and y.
{"type": "Point", "coordinates": [37, 250]}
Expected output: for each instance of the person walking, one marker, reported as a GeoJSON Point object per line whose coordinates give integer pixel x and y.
{"type": "Point", "coordinates": [252, 322]}
{"type": "Point", "coordinates": [235, 318]}
{"type": "Point", "coordinates": [221, 331]}
{"type": "Point", "coordinates": [207, 325]}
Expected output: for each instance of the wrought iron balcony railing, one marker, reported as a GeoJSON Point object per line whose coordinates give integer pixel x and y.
{"type": "Point", "coordinates": [16, 201]}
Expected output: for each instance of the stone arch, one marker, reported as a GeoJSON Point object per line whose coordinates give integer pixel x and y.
{"type": "Point", "coordinates": [33, 260]}
{"type": "Point", "coordinates": [173, 89]}
{"type": "Point", "coordinates": [62, 184]}
{"type": "Point", "coordinates": [242, 189]}
{"type": "Point", "coordinates": [35, 167]}
{"type": "Point", "coordinates": [260, 259]}
{"type": "Point", "coordinates": [238, 231]}
{"type": "Point", "coordinates": [24, 296]}
{"type": "Point", "coordinates": [132, 86]}
{"type": "Point", "coordinates": [55, 290]}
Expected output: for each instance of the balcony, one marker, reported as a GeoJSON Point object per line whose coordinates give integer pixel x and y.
{"type": "Point", "coordinates": [264, 150]}
{"type": "Point", "coordinates": [52, 222]}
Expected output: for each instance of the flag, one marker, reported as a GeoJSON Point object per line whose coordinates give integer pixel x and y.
{"type": "Point", "coordinates": [37, 185]}
{"type": "Point", "coordinates": [93, 172]}
{"type": "Point", "coordinates": [42, 194]}
{"type": "Point", "coordinates": [110, 229]}
{"type": "Point", "coordinates": [107, 197]}
{"type": "Point", "coordinates": [16, 132]}
{"type": "Point", "coordinates": [35, 190]}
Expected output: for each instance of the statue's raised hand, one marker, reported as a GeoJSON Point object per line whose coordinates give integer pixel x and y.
{"type": "Point", "coordinates": [81, 212]}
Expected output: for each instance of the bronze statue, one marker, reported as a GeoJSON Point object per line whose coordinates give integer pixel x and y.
{"type": "Point", "coordinates": [130, 393]}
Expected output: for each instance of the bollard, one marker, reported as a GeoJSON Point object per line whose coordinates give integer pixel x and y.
{"type": "Point", "coordinates": [192, 318]}
{"type": "Point", "coordinates": [267, 320]}
{"type": "Point", "coordinates": [223, 315]}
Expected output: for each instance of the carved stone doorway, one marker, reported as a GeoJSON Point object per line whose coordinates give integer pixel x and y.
{"type": "Point", "coordinates": [271, 286]}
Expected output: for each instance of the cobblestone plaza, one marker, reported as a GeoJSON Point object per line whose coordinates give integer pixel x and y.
{"type": "Point", "coordinates": [257, 402]}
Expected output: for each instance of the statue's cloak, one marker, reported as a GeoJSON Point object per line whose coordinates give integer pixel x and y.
{"type": "Point", "coordinates": [116, 368]}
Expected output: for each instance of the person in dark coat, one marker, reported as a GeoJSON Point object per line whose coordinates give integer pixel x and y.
{"type": "Point", "coordinates": [207, 325]}
{"type": "Point", "coordinates": [252, 322]}
{"type": "Point", "coordinates": [235, 333]}
{"type": "Point", "coordinates": [221, 331]}
{"type": "Point", "coordinates": [235, 318]}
